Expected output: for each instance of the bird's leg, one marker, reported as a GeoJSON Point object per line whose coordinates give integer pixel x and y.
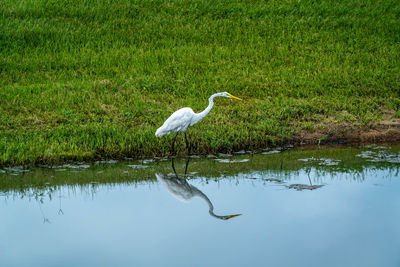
{"type": "Point", "coordinates": [173, 145]}
{"type": "Point", "coordinates": [186, 167]}
{"type": "Point", "coordinates": [173, 167]}
{"type": "Point", "coordinates": [187, 145]}
{"type": "Point", "coordinates": [308, 174]}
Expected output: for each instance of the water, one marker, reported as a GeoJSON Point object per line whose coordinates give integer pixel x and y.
{"type": "Point", "coordinates": [312, 207]}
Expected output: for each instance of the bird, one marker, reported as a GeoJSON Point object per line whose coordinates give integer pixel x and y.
{"type": "Point", "coordinates": [181, 119]}
{"type": "Point", "coordinates": [183, 191]}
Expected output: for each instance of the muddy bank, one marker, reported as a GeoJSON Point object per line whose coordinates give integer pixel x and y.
{"type": "Point", "coordinates": [387, 131]}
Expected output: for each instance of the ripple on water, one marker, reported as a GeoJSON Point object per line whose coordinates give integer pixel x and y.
{"type": "Point", "coordinates": [271, 152]}
{"type": "Point", "coordinates": [232, 161]}
{"type": "Point", "coordinates": [138, 166]}
{"type": "Point", "coordinates": [322, 161]}
{"type": "Point", "coordinates": [273, 180]}
{"type": "Point", "coordinates": [222, 155]}
{"type": "Point", "coordinates": [240, 152]}
{"type": "Point", "coordinates": [111, 161]}
{"type": "Point", "coordinates": [301, 187]}
{"type": "Point", "coordinates": [15, 170]}
{"type": "Point", "coordinates": [376, 147]}
{"type": "Point", "coordinates": [379, 156]}
{"type": "Point", "coordinates": [76, 166]}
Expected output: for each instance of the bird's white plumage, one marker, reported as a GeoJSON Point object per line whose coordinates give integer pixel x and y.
{"type": "Point", "coordinates": [181, 119]}
{"type": "Point", "coordinates": [178, 188]}
{"type": "Point", "coordinates": [185, 117]}
{"type": "Point", "coordinates": [177, 122]}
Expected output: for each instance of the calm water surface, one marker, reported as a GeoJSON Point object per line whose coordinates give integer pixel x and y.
{"type": "Point", "coordinates": [299, 207]}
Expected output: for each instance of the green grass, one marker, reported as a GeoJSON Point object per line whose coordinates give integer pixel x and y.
{"type": "Point", "coordinates": [87, 79]}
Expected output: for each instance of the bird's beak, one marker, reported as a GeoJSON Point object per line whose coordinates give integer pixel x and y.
{"type": "Point", "coordinates": [234, 97]}
{"type": "Point", "coordinates": [232, 216]}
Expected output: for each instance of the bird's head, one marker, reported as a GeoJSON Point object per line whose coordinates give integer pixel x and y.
{"type": "Point", "coordinates": [232, 216]}
{"type": "Point", "coordinates": [226, 94]}
{"type": "Point", "coordinates": [226, 217]}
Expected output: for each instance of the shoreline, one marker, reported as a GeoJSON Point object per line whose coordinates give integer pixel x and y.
{"type": "Point", "coordinates": [376, 135]}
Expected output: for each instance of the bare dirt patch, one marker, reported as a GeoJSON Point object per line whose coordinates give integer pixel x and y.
{"type": "Point", "coordinates": [387, 130]}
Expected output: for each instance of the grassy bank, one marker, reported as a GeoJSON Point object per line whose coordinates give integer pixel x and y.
{"type": "Point", "coordinates": [88, 79]}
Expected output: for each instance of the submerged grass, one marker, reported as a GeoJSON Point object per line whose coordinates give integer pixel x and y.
{"type": "Point", "coordinates": [285, 165]}
{"type": "Point", "coordinates": [88, 79]}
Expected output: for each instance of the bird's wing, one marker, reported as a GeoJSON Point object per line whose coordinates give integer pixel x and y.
{"type": "Point", "coordinates": [179, 190]}
{"type": "Point", "coordinates": [178, 121]}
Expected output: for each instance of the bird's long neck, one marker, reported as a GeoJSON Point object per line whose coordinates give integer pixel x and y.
{"type": "Point", "coordinates": [203, 196]}
{"type": "Point", "coordinates": [211, 207]}
{"type": "Point", "coordinates": [198, 116]}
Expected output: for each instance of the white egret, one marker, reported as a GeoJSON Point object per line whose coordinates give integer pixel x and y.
{"type": "Point", "coordinates": [183, 191]}
{"type": "Point", "coordinates": [181, 119]}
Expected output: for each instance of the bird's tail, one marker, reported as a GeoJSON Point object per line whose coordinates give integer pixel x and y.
{"type": "Point", "coordinates": [159, 132]}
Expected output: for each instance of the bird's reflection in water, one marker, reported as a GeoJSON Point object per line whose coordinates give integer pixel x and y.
{"type": "Point", "coordinates": [183, 191]}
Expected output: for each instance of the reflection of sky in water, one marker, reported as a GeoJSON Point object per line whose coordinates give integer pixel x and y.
{"type": "Point", "coordinates": [344, 223]}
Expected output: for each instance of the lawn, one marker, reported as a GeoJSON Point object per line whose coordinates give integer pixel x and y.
{"type": "Point", "coordinates": [81, 80]}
